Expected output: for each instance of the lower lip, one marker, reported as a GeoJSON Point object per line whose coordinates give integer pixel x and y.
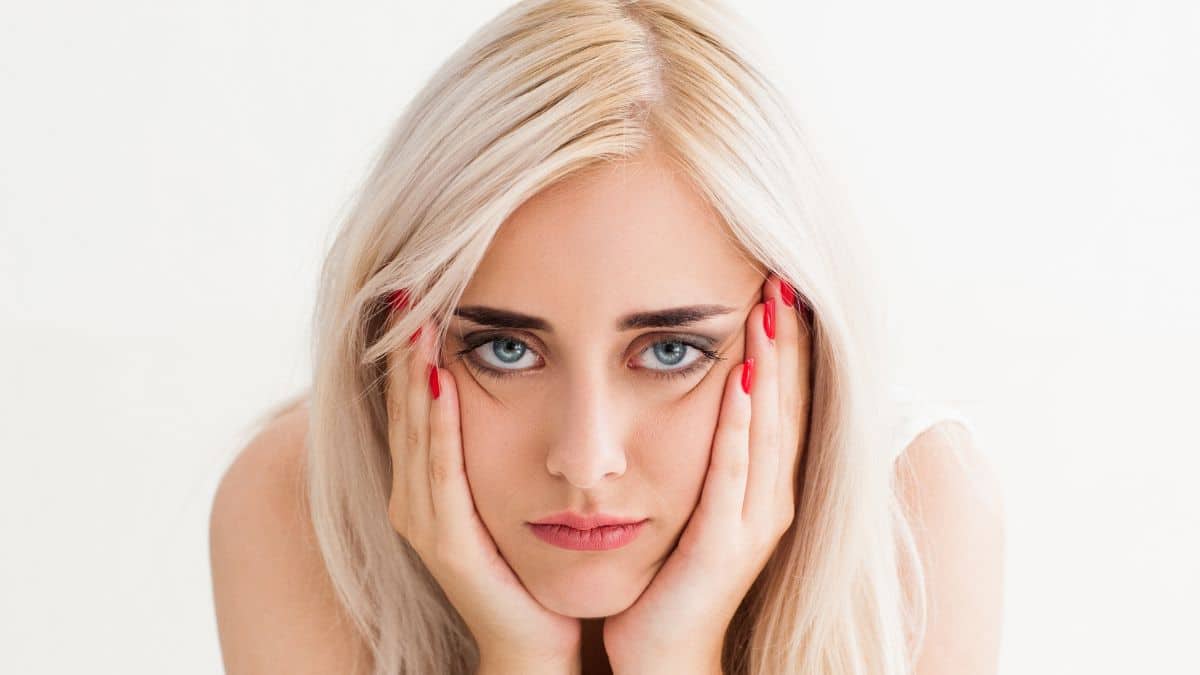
{"type": "Point", "coordinates": [596, 539]}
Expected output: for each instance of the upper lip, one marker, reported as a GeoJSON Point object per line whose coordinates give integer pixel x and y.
{"type": "Point", "coordinates": [588, 522]}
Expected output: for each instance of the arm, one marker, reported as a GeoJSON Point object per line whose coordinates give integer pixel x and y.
{"type": "Point", "coordinates": [497, 667]}
{"type": "Point", "coordinates": [956, 503]}
{"type": "Point", "coordinates": [275, 607]}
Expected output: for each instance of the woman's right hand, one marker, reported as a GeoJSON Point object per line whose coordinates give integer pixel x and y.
{"type": "Point", "coordinates": [431, 506]}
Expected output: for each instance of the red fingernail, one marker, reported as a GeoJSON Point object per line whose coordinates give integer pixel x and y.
{"type": "Point", "coordinates": [769, 318]}
{"type": "Point", "coordinates": [399, 299]}
{"type": "Point", "coordinates": [413, 338]}
{"type": "Point", "coordinates": [433, 381]}
{"type": "Point", "coordinates": [787, 293]}
{"type": "Point", "coordinates": [747, 374]}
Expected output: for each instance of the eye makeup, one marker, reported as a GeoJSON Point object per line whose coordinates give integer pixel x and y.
{"type": "Point", "coordinates": [705, 346]}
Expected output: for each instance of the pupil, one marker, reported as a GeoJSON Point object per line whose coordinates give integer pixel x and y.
{"type": "Point", "coordinates": [506, 355]}
{"type": "Point", "coordinates": [669, 353]}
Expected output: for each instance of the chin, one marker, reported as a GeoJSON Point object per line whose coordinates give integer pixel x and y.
{"type": "Point", "coordinates": [587, 595]}
{"type": "Point", "coordinates": [582, 602]}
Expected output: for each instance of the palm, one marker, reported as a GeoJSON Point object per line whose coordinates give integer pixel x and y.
{"type": "Point", "coordinates": [542, 625]}
{"type": "Point", "coordinates": [674, 597]}
{"type": "Point", "coordinates": [746, 504]}
{"type": "Point", "coordinates": [537, 624]}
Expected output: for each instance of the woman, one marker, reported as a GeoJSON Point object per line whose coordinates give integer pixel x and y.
{"type": "Point", "coordinates": [598, 389]}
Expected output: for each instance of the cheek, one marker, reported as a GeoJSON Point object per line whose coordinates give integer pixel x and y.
{"type": "Point", "coordinates": [491, 437]}
{"type": "Point", "coordinates": [675, 450]}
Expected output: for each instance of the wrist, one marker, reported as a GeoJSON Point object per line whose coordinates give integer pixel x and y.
{"type": "Point", "coordinates": [499, 664]}
{"type": "Point", "coordinates": [673, 666]}
{"type": "Point", "coordinates": [691, 663]}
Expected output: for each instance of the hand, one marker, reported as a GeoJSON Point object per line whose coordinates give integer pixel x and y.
{"type": "Point", "coordinates": [431, 506]}
{"type": "Point", "coordinates": [678, 624]}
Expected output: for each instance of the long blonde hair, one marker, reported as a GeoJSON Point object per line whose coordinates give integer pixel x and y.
{"type": "Point", "coordinates": [546, 89]}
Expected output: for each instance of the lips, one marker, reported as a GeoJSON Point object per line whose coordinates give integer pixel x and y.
{"type": "Point", "coordinates": [597, 532]}
{"type": "Point", "coordinates": [596, 539]}
{"type": "Point", "coordinates": [582, 522]}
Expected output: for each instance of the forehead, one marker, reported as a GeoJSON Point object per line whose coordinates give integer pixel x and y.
{"type": "Point", "coordinates": [632, 235]}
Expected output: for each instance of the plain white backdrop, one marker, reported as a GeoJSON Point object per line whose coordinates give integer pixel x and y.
{"type": "Point", "coordinates": [171, 175]}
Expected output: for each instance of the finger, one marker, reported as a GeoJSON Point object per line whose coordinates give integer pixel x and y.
{"type": "Point", "coordinates": [725, 484]}
{"type": "Point", "coordinates": [763, 470]}
{"type": "Point", "coordinates": [791, 346]}
{"type": "Point", "coordinates": [451, 494]}
{"type": "Point", "coordinates": [417, 429]}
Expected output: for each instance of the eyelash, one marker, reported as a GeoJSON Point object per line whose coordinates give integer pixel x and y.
{"type": "Point", "coordinates": [707, 356]}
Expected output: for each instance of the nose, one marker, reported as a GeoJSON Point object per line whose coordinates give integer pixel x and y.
{"type": "Point", "coordinates": [588, 446]}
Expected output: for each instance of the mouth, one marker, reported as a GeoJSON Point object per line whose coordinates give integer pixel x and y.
{"type": "Point", "coordinates": [603, 538]}
{"type": "Point", "coordinates": [598, 532]}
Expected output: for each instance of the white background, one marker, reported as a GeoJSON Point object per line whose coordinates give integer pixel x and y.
{"type": "Point", "coordinates": [171, 175]}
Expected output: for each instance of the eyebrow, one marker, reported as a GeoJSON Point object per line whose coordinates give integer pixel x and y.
{"type": "Point", "coordinates": [662, 318]}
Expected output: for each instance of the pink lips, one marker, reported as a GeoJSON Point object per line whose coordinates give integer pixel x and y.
{"type": "Point", "coordinates": [587, 533]}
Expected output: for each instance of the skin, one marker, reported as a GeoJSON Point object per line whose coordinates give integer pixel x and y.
{"type": "Point", "coordinates": [265, 561]}
{"type": "Point", "coordinates": [584, 423]}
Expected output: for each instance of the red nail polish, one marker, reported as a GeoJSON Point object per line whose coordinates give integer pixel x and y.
{"type": "Point", "coordinates": [413, 338]}
{"type": "Point", "coordinates": [399, 299]}
{"type": "Point", "coordinates": [747, 374]}
{"type": "Point", "coordinates": [433, 381]}
{"type": "Point", "coordinates": [769, 317]}
{"type": "Point", "coordinates": [787, 293]}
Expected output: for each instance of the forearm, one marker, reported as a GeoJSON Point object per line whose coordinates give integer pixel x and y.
{"type": "Point", "coordinates": [675, 667]}
{"type": "Point", "coordinates": [498, 665]}
{"type": "Point", "coordinates": [690, 663]}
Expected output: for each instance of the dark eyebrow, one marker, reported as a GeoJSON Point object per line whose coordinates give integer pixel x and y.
{"type": "Point", "coordinates": [662, 318]}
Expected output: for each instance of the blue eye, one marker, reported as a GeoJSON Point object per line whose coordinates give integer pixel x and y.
{"type": "Point", "coordinates": [672, 352]}
{"type": "Point", "coordinates": [494, 355]}
{"type": "Point", "coordinates": [506, 351]}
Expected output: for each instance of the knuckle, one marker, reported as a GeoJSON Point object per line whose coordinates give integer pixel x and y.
{"type": "Point", "coordinates": [772, 435]}
{"type": "Point", "coordinates": [765, 539]}
{"type": "Point", "coordinates": [789, 401]}
{"type": "Point", "coordinates": [412, 436]}
{"type": "Point", "coordinates": [737, 465]}
{"type": "Point", "coordinates": [439, 472]}
{"type": "Point", "coordinates": [785, 521]}
{"type": "Point", "coordinates": [397, 515]}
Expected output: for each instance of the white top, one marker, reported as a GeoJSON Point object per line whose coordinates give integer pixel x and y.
{"type": "Point", "coordinates": [917, 414]}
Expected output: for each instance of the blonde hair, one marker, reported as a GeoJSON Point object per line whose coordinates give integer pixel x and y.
{"type": "Point", "coordinates": [546, 89]}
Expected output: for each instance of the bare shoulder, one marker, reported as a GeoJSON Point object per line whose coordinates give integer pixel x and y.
{"type": "Point", "coordinates": [275, 606]}
{"type": "Point", "coordinates": [955, 501]}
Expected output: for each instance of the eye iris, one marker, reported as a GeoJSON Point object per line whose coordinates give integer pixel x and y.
{"type": "Point", "coordinates": [509, 351]}
{"type": "Point", "coordinates": [670, 353]}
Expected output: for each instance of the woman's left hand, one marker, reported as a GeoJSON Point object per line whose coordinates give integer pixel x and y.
{"type": "Point", "coordinates": [747, 502]}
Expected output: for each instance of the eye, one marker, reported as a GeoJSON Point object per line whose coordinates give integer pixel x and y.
{"type": "Point", "coordinates": [500, 355]}
{"type": "Point", "coordinates": [675, 351]}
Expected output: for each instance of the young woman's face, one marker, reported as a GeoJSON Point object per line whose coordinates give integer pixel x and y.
{"type": "Point", "coordinates": [580, 413]}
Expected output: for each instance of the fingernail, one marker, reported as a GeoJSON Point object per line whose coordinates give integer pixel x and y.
{"type": "Point", "coordinates": [399, 299]}
{"type": "Point", "coordinates": [769, 318]}
{"type": "Point", "coordinates": [413, 338]}
{"type": "Point", "coordinates": [787, 293]}
{"type": "Point", "coordinates": [433, 381]}
{"type": "Point", "coordinates": [747, 374]}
